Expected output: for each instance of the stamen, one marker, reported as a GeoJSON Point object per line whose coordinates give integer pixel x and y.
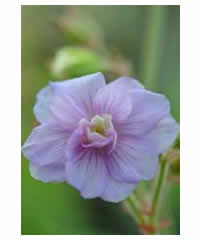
{"type": "Point", "coordinates": [98, 124]}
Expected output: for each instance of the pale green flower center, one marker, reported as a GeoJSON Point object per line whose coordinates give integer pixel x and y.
{"type": "Point", "coordinates": [101, 123]}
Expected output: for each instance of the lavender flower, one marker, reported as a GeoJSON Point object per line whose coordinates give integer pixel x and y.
{"type": "Point", "coordinates": [102, 139]}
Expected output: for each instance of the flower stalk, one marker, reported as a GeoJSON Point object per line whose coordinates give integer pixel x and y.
{"type": "Point", "coordinates": [149, 224]}
{"type": "Point", "coordinates": [134, 209]}
{"type": "Point", "coordinates": [157, 196]}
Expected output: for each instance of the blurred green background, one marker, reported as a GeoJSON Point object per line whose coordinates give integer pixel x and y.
{"type": "Point", "coordinates": [148, 36]}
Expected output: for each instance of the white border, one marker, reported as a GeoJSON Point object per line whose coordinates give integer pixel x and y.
{"type": "Point", "coordinates": [10, 121]}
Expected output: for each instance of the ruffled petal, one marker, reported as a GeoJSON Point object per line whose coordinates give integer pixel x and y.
{"type": "Point", "coordinates": [57, 108]}
{"type": "Point", "coordinates": [165, 133]}
{"type": "Point", "coordinates": [87, 171]}
{"type": "Point", "coordinates": [68, 101]}
{"type": "Point", "coordinates": [49, 173]}
{"type": "Point", "coordinates": [113, 99]}
{"type": "Point", "coordinates": [43, 100]}
{"type": "Point", "coordinates": [134, 159]}
{"type": "Point", "coordinates": [82, 90]}
{"type": "Point", "coordinates": [117, 191]}
{"type": "Point", "coordinates": [85, 168]}
{"type": "Point", "coordinates": [126, 84]}
{"type": "Point", "coordinates": [65, 112]}
{"type": "Point", "coordinates": [148, 109]}
{"type": "Point", "coordinates": [46, 144]}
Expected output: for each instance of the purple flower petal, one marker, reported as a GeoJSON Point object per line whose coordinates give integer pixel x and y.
{"type": "Point", "coordinates": [57, 109]}
{"type": "Point", "coordinates": [68, 101]}
{"type": "Point", "coordinates": [93, 177]}
{"type": "Point", "coordinates": [148, 109]}
{"type": "Point", "coordinates": [64, 112]}
{"type": "Point", "coordinates": [41, 108]}
{"type": "Point", "coordinates": [50, 173]}
{"type": "Point", "coordinates": [46, 144]}
{"type": "Point", "coordinates": [91, 172]}
{"type": "Point", "coordinates": [82, 90]}
{"type": "Point", "coordinates": [117, 191]}
{"type": "Point", "coordinates": [126, 84]}
{"type": "Point", "coordinates": [87, 164]}
{"type": "Point", "coordinates": [134, 159]}
{"type": "Point", "coordinates": [165, 133]}
{"type": "Point", "coordinates": [112, 100]}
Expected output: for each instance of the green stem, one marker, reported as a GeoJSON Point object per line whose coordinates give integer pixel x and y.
{"type": "Point", "coordinates": [134, 209]}
{"type": "Point", "coordinates": [150, 222]}
{"type": "Point", "coordinates": [164, 164]}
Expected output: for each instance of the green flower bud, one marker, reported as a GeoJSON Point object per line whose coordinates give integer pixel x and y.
{"type": "Point", "coordinates": [174, 168]}
{"type": "Point", "coordinates": [177, 142]}
{"type": "Point", "coordinates": [72, 62]}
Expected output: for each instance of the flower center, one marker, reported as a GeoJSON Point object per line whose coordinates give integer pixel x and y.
{"type": "Point", "coordinates": [100, 124]}
{"type": "Point", "coordinates": [99, 132]}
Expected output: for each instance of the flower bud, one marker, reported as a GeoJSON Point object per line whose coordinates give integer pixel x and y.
{"type": "Point", "coordinates": [174, 167]}
{"type": "Point", "coordinates": [177, 142]}
{"type": "Point", "coordinates": [72, 62]}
